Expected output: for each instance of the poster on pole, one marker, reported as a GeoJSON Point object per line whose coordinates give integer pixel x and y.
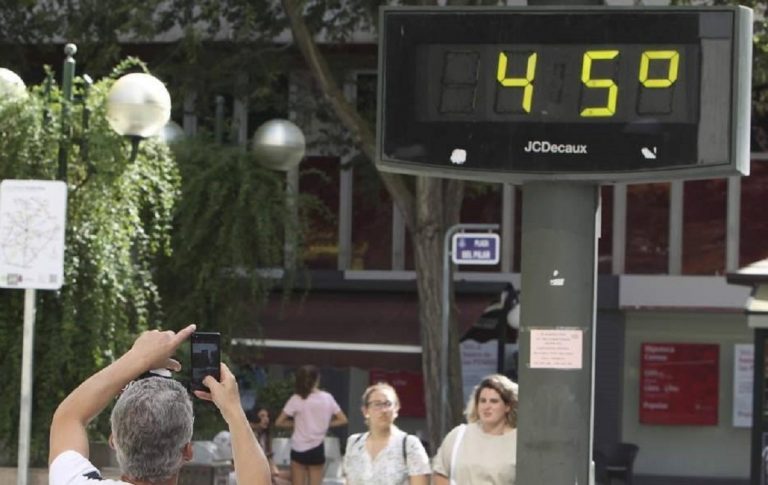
{"type": "Point", "coordinates": [556, 348]}
{"type": "Point", "coordinates": [743, 368]}
{"type": "Point", "coordinates": [32, 224]}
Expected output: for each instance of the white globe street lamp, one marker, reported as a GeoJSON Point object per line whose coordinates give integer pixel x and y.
{"type": "Point", "coordinates": [138, 106]}
{"type": "Point", "coordinates": [171, 133]}
{"type": "Point", "coordinates": [11, 85]}
{"type": "Point", "coordinates": [279, 145]}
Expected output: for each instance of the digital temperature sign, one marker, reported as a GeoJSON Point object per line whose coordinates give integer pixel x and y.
{"type": "Point", "coordinates": [602, 94]}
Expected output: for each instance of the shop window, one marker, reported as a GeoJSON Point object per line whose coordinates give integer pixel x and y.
{"type": "Point", "coordinates": [704, 226]}
{"type": "Point", "coordinates": [371, 221]}
{"type": "Point", "coordinates": [754, 221]}
{"type": "Point", "coordinates": [319, 185]}
{"type": "Point", "coordinates": [647, 228]}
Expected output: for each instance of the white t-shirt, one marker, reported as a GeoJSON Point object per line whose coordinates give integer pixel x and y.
{"type": "Point", "coordinates": [72, 468]}
{"type": "Point", "coordinates": [311, 418]}
{"type": "Point", "coordinates": [389, 467]}
{"type": "Point", "coordinates": [482, 459]}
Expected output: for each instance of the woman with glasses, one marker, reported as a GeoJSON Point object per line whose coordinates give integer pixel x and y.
{"type": "Point", "coordinates": [384, 455]}
{"type": "Point", "coordinates": [470, 453]}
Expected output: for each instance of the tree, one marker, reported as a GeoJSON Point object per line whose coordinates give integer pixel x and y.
{"type": "Point", "coordinates": [119, 217]}
{"type": "Point", "coordinates": [429, 207]}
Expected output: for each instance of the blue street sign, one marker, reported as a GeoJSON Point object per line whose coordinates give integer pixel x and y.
{"type": "Point", "coordinates": [475, 248]}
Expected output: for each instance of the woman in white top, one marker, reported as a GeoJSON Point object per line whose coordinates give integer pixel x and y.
{"type": "Point", "coordinates": [384, 455]}
{"type": "Point", "coordinates": [484, 451]}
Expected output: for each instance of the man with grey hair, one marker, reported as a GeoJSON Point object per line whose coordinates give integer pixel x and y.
{"type": "Point", "coordinates": [151, 421]}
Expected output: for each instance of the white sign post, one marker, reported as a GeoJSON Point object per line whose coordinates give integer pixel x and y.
{"type": "Point", "coordinates": [32, 224]}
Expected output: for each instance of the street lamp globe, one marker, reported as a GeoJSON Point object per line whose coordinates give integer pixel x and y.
{"type": "Point", "coordinates": [279, 145]}
{"type": "Point", "coordinates": [171, 133]}
{"type": "Point", "coordinates": [11, 85]}
{"type": "Point", "coordinates": [138, 105]}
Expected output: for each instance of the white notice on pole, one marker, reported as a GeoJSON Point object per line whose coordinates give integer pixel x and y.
{"type": "Point", "coordinates": [32, 222]}
{"type": "Point", "coordinates": [556, 348]}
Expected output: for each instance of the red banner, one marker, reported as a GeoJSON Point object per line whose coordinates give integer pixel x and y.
{"type": "Point", "coordinates": [679, 383]}
{"type": "Point", "coordinates": [409, 387]}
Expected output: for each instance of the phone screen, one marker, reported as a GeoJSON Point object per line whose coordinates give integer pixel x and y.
{"type": "Point", "coordinates": [206, 358]}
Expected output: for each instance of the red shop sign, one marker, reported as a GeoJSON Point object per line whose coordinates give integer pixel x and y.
{"type": "Point", "coordinates": [409, 387]}
{"type": "Point", "coordinates": [679, 383]}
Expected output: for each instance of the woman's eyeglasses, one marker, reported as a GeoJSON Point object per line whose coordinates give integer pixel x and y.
{"type": "Point", "coordinates": [381, 404]}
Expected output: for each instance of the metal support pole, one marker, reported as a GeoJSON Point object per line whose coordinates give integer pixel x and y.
{"type": "Point", "coordinates": [559, 254]}
{"type": "Point", "coordinates": [291, 227]}
{"type": "Point", "coordinates": [25, 409]}
{"type": "Point", "coordinates": [68, 76]}
{"type": "Point", "coordinates": [218, 127]}
{"type": "Point", "coordinates": [446, 315]}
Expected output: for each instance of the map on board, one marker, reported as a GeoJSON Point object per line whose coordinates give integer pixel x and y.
{"type": "Point", "coordinates": [32, 224]}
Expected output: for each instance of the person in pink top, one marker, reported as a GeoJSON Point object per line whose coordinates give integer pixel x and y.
{"type": "Point", "coordinates": [310, 412]}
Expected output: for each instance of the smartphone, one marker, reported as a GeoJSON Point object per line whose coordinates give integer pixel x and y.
{"type": "Point", "coordinates": [206, 358]}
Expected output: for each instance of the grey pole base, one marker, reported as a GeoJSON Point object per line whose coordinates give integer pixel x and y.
{"type": "Point", "coordinates": [555, 414]}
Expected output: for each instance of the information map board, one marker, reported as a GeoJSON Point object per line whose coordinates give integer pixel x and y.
{"type": "Point", "coordinates": [603, 94]}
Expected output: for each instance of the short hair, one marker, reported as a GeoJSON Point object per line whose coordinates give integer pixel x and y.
{"type": "Point", "coordinates": [506, 389]}
{"type": "Point", "coordinates": [378, 387]}
{"type": "Point", "coordinates": [151, 423]}
{"type": "Point", "coordinates": [307, 377]}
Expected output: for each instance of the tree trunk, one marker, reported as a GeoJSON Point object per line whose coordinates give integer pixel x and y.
{"type": "Point", "coordinates": [428, 214]}
{"type": "Point", "coordinates": [428, 254]}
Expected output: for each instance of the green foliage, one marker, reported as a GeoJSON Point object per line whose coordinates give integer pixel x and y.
{"type": "Point", "coordinates": [119, 217]}
{"type": "Point", "coordinates": [230, 221]}
{"type": "Point", "coordinates": [273, 396]}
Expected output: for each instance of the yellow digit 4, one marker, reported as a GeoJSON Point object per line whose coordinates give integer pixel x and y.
{"type": "Point", "coordinates": [586, 77]}
{"type": "Point", "coordinates": [519, 82]}
{"type": "Point", "coordinates": [645, 60]}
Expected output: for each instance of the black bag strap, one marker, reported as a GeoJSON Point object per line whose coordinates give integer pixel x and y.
{"type": "Point", "coordinates": [405, 454]}
{"type": "Point", "coordinates": [358, 438]}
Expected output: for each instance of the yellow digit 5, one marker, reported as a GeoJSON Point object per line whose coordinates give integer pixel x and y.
{"type": "Point", "coordinates": [586, 77]}
{"type": "Point", "coordinates": [645, 60]}
{"type": "Point", "coordinates": [519, 82]}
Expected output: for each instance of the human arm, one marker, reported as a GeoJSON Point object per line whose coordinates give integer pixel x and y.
{"type": "Point", "coordinates": [438, 479]}
{"type": "Point", "coordinates": [273, 470]}
{"type": "Point", "coordinates": [441, 463]}
{"type": "Point", "coordinates": [417, 461]}
{"type": "Point", "coordinates": [418, 480]}
{"type": "Point", "coordinates": [284, 421]}
{"type": "Point", "coordinates": [151, 350]}
{"type": "Point", "coordinates": [251, 464]}
{"type": "Point", "coordinates": [339, 419]}
{"type": "Point", "coordinates": [352, 458]}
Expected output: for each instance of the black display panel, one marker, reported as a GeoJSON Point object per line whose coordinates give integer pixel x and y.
{"type": "Point", "coordinates": [587, 93]}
